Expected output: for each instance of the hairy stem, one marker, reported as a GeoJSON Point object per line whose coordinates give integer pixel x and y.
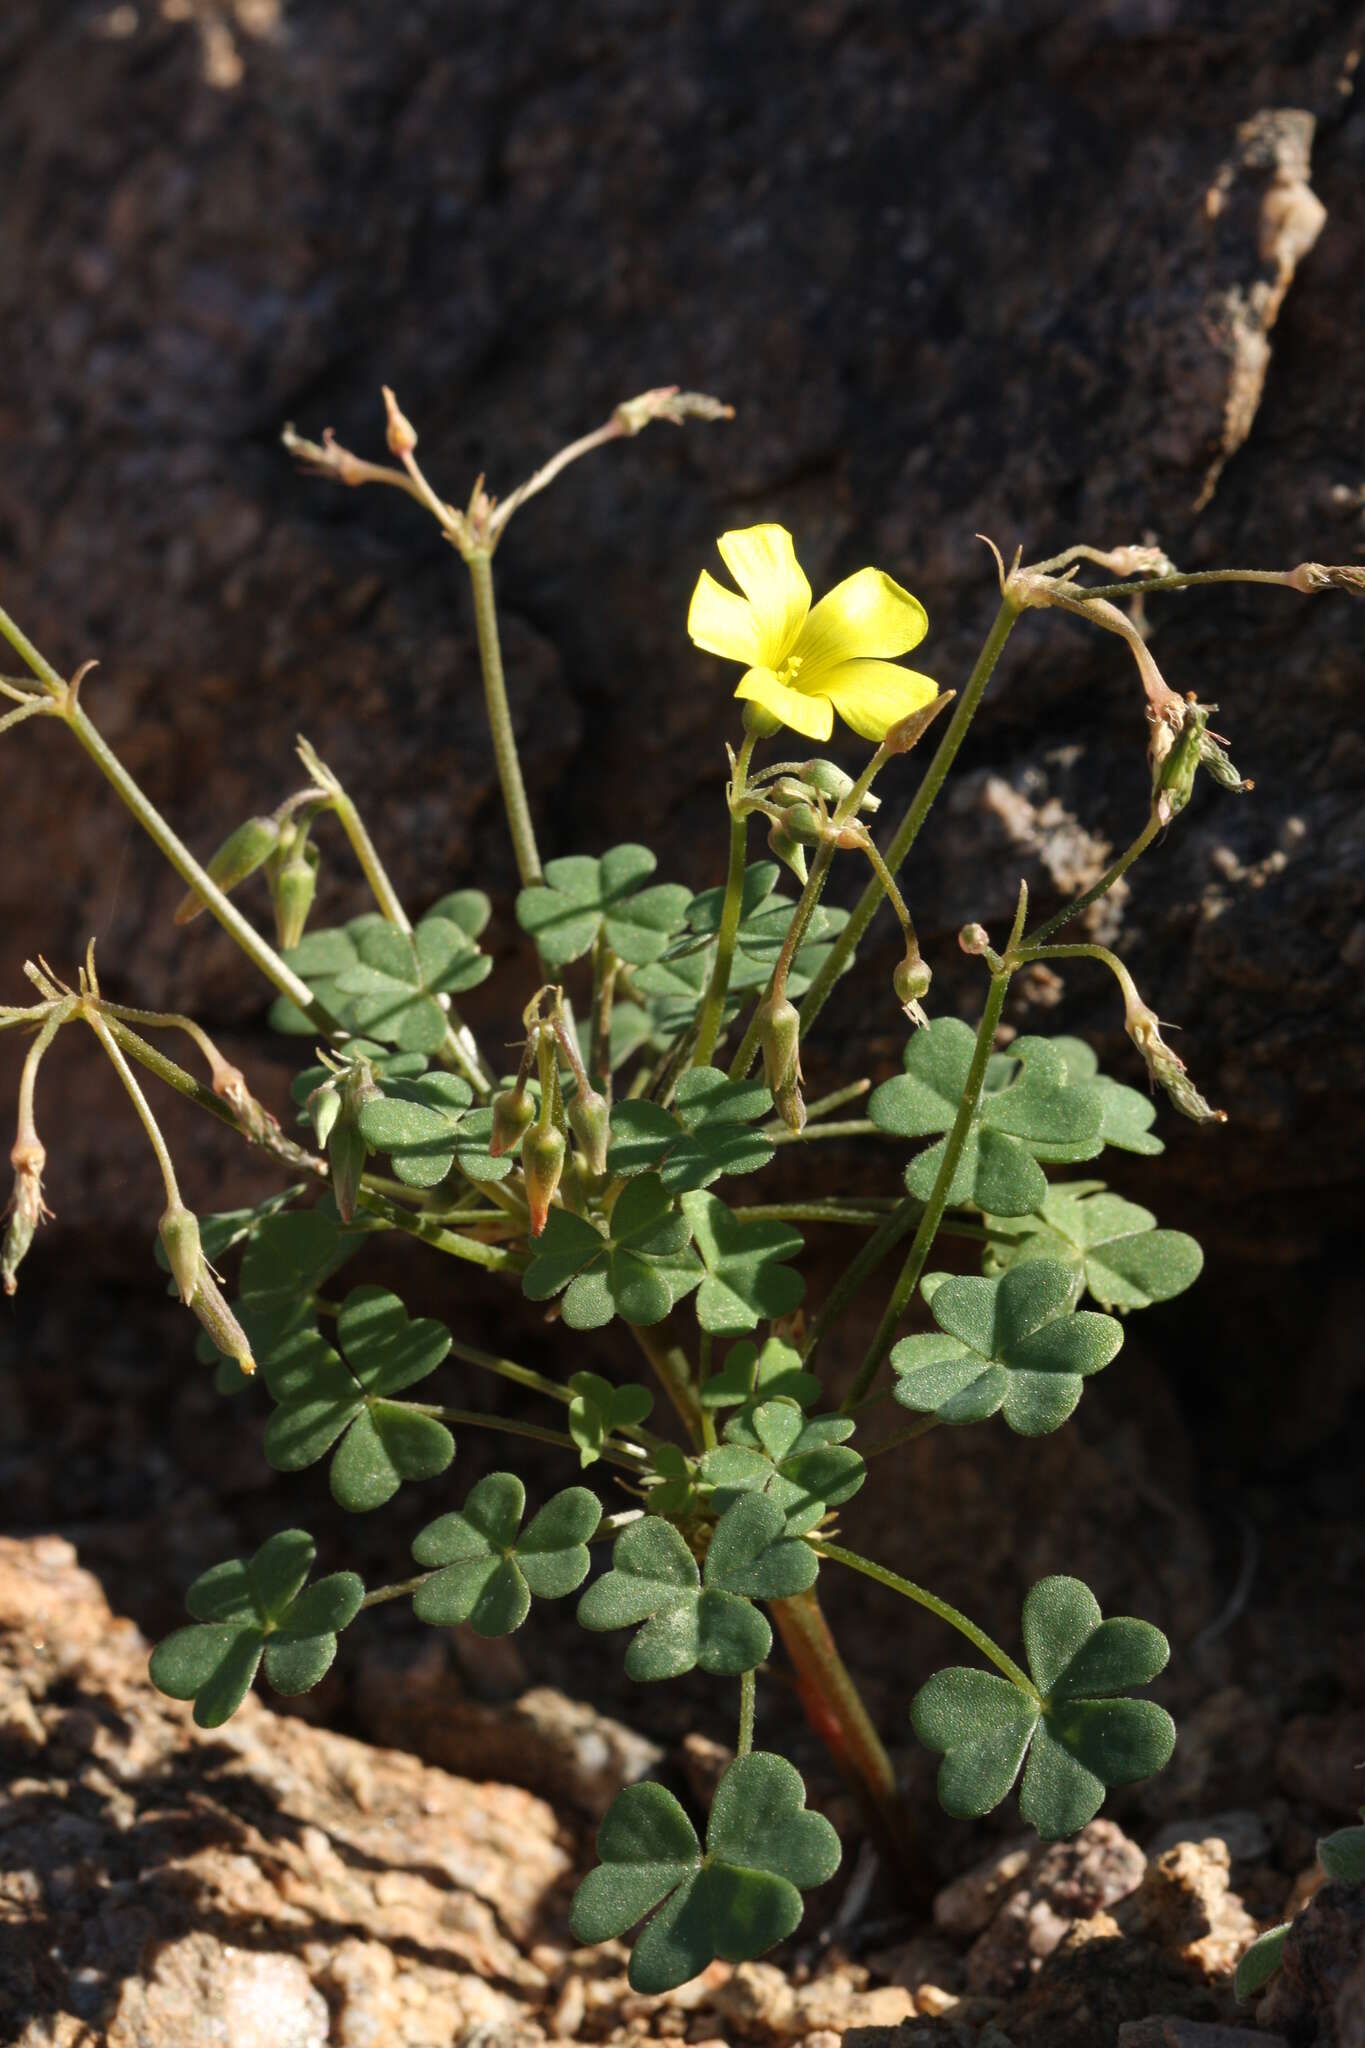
{"type": "Point", "coordinates": [480, 563]}
{"type": "Point", "coordinates": [747, 1689]}
{"type": "Point", "coordinates": [954, 1618]}
{"type": "Point", "coordinates": [1105, 883]}
{"type": "Point", "coordinates": [712, 1012]}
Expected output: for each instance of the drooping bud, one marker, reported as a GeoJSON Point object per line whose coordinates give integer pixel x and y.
{"type": "Point", "coordinates": [803, 824]}
{"type": "Point", "coordinates": [26, 1210]}
{"type": "Point", "coordinates": [779, 1036]}
{"type": "Point", "coordinates": [292, 887]}
{"type": "Point", "coordinates": [240, 854]}
{"type": "Point", "coordinates": [542, 1163]}
{"type": "Point", "coordinates": [179, 1229]}
{"type": "Point", "coordinates": [911, 980]}
{"type": "Point", "coordinates": [346, 1148]}
{"type": "Point", "coordinates": [210, 1305]}
{"type": "Point", "coordinates": [788, 850]}
{"type": "Point", "coordinates": [513, 1112]}
{"type": "Point", "coordinates": [324, 1107]}
{"type": "Point", "coordinates": [253, 1118]}
{"type": "Point", "coordinates": [400, 432]}
{"type": "Point", "coordinates": [1166, 1068]}
{"type": "Point", "coordinates": [590, 1121]}
{"type": "Point", "coordinates": [974, 939]}
{"type": "Point", "coordinates": [834, 784]}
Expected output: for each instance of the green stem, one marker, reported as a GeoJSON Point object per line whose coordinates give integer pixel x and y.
{"type": "Point", "coordinates": [47, 675]}
{"type": "Point", "coordinates": [480, 564]}
{"type": "Point", "coordinates": [60, 1014]}
{"type": "Point", "coordinates": [747, 1689]}
{"type": "Point", "coordinates": [674, 1374]}
{"type": "Point", "coordinates": [908, 1278]}
{"type": "Point", "coordinates": [712, 1013]}
{"type": "Point", "coordinates": [777, 984]}
{"type": "Point", "coordinates": [140, 1104]}
{"type": "Point", "coordinates": [398, 1591]}
{"type": "Point", "coordinates": [261, 955]}
{"type": "Point", "coordinates": [854, 1127]}
{"type": "Point", "coordinates": [954, 1618]}
{"type": "Point", "coordinates": [508, 1369]}
{"type": "Point", "coordinates": [1178, 581]}
{"type": "Point", "coordinates": [473, 1418]}
{"type": "Point", "coordinates": [1100, 888]}
{"type": "Point", "coordinates": [605, 967]}
{"type": "Point", "coordinates": [833, 1211]}
{"type": "Point", "coordinates": [493, 1258]}
{"type": "Point", "coordinates": [883, 1240]}
{"type": "Point", "coordinates": [909, 828]}
{"type": "Point", "coordinates": [824, 1104]}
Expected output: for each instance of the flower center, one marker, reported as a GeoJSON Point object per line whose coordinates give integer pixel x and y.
{"type": "Point", "coordinates": [790, 669]}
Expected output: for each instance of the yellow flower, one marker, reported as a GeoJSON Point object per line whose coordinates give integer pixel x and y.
{"type": "Point", "coordinates": [803, 664]}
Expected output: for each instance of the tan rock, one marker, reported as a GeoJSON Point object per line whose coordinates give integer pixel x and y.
{"type": "Point", "coordinates": [1185, 1906]}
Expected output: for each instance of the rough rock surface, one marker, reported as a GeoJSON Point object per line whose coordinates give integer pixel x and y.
{"type": "Point", "coordinates": [1317, 1997]}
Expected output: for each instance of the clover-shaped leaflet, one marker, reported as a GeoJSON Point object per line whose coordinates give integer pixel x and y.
{"type": "Point", "coordinates": [706, 1134]}
{"type": "Point", "coordinates": [581, 897]}
{"type": "Point", "coordinates": [427, 1124]}
{"type": "Point", "coordinates": [748, 1376]}
{"type": "Point", "coordinates": [746, 1275]}
{"type": "Point", "coordinates": [1126, 1114]}
{"type": "Point", "coordinates": [736, 1900]}
{"type": "Point", "coordinates": [687, 1617]}
{"type": "Point", "coordinates": [1079, 1734]}
{"type": "Point", "coordinates": [637, 1269]}
{"type": "Point", "coordinates": [288, 1258]}
{"type": "Point", "coordinates": [1015, 1345]}
{"type": "Point", "coordinates": [764, 921]}
{"type": "Point", "coordinates": [803, 1466]}
{"type": "Point", "coordinates": [1112, 1247]}
{"type": "Point", "coordinates": [324, 1396]}
{"type": "Point", "coordinates": [1037, 1115]}
{"type": "Point", "coordinates": [253, 1610]}
{"type": "Point", "coordinates": [487, 1567]}
{"type": "Point", "coordinates": [393, 987]}
{"type": "Point", "coordinates": [597, 1408]}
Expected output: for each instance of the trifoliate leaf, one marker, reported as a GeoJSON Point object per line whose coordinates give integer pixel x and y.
{"type": "Point", "coordinates": [488, 1567]}
{"type": "Point", "coordinates": [288, 1259]}
{"type": "Point", "coordinates": [746, 1274]}
{"type": "Point", "coordinates": [705, 1135]}
{"type": "Point", "coordinates": [1342, 1855]}
{"type": "Point", "coordinates": [764, 921]}
{"type": "Point", "coordinates": [1015, 1345]}
{"type": "Point", "coordinates": [1259, 1963]}
{"type": "Point", "coordinates": [581, 897]}
{"type": "Point", "coordinates": [1079, 1735]}
{"type": "Point", "coordinates": [763, 1849]}
{"type": "Point", "coordinates": [1035, 1116]}
{"type": "Point", "coordinates": [675, 1493]}
{"type": "Point", "coordinates": [427, 1125]}
{"type": "Point", "coordinates": [246, 1610]}
{"type": "Point", "coordinates": [1110, 1246]}
{"type": "Point", "coordinates": [1127, 1115]}
{"type": "Point", "coordinates": [470, 909]}
{"type": "Point", "coordinates": [393, 985]}
{"type": "Point", "coordinates": [637, 1269]}
{"type": "Point", "coordinates": [692, 1618]}
{"type": "Point", "coordinates": [749, 1375]}
{"type": "Point", "coordinates": [804, 1467]}
{"type": "Point", "coordinates": [324, 1397]}
{"type": "Point", "coordinates": [598, 1407]}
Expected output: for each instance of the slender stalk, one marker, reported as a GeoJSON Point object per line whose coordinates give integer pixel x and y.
{"type": "Point", "coordinates": [398, 1591]}
{"type": "Point", "coordinates": [954, 1618]}
{"type": "Point", "coordinates": [1177, 580]}
{"type": "Point", "coordinates": [480, 564]}
{"type": "Point", "coordinates": [883, 1241]}
{"type": "Point", "coordinates": [825, 1104]}
{"type": "Point", "coordinates": [712, 1012]}
{"type": "Point", "coordinates": [777, 984]}
{"type": "Point", "coordinates": [911, 1435]}
{"type": "Point", "coordinates": [832, 1211]}
{"type": "Point", "coordinates": [909, 828]}
{"type": "Point", "coordinates": [140, 1104]}
{"type": "Point", "coordinates": [507, 1369]}
{"type": "Point", "coordinates": [747, 1690]}
{"type": "Point", "coordinates": [605, 967]}
{"type": "Point", "coordinates": [853, 1127]}
{"type": "Point", "coordinates": [166, 1069]}
{"type": "Point", "coordinates": [509, 1425]}
{"type": "Point", "coordinates": [493, 1258]}
{"type": "Point", "coordinates": [908, 1278]}
{"type": "Point", "coordinates": [674, 1374]}
{"type": "Point", "coordinates": [1105, 883]}
{"type": "Point", "coordinates": [47, 675]}
{"type": "Point", "coordinates": [60, 1014]}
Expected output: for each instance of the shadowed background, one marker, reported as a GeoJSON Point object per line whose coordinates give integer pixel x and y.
{"type": "Point", "coordinates": [1044, 272]}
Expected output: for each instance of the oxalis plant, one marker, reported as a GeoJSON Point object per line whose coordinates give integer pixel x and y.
{"type": "Point", "coordinates": [614, 1177]}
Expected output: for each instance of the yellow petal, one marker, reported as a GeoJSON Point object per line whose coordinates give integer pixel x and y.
{"type": "Point", "coordinates": [866, 615]}
{"type": "Point", "coordinates": [722, 623]}
{"type": "Point", "coordinates": [809, 715]}
{"type": "Point", "coordinates": [872, 695]}
{"type": "Point", "coordinates": [763, 563]}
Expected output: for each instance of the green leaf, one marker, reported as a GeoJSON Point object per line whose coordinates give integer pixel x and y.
{"type": "Point", "coordinates": [598, 1407]}
{"type": "Point", "coordinates": [763, 1848]}
{"type": "Point", "coordinates": [288, 1259]}
{"type": "Point", "coordinates": [1110, 1246]}
{"type": "Point", "coordinates": [654, 1581]}
{"type": "Point", "coordinates": [326, 1398]}
{"type": "Point", "coordinates": [246, 1611]}
{"type": "Point", "coordinates": [749, 1375]}
{"type": "Point", "coordinates": [427, 1124]}
{"type": "Point", "coordinates": [581, 897]}
{"type": "Point", "coordinates": [764, 920]}
{"type": "Point", "coordinates": [1034, 1116]}
{"type": "Point", "coordinates": [704, 1136]}
{"type": "Point", "coordinates": [1127, 1115]}
{"type": "Point", "coordinates": [1259, 1963]}
{"type": "Point", "coordinates": [637, 1269]}
{"type": "Point", "coordinates": [1342, 1855]}
{"type": "Point", "coordinates": [470, 909]}
{"type": "Point", "coordinates": [486, 1571]}
{"type": "Point", "coordinates": [752, 1554]}
{"type": "Point", "coordinates": [746, 1274]}
{"type": "Point", "coordinates": [805, 1467]}
{"type": "Point", "coordinates": [1014, 1345]}
{"type": "Point", "coordinates": [393, 985]}
{"type": "Point", "coordinates": [1079, 1735]}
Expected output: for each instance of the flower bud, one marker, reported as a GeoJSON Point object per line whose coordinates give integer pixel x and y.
{"type": "Point", "coordinates": [26, 1210]}
{"type": "Point", "coordinates": [909, 730]}
{"type": "Point", "coordinates": [292, 886]}
{"type": "Point", "coordinates": [758, 723]}
{"type": "Point", "coordinates": [788, 850]}
{"type": "Point", "coordinates": [253, 1118]}
{"type": "Point", "coordinates": [513, 1110]}
{"type": "Point", "coordinates": [803, 824]}
{"type": "Point", "coordinates": [791, 1107]}
{"type": "Point", "coordinates": [1175, 761]}
{"type": "Point", "coordinates": [210, 1305]}
{"type": "Point", "coordinates": [346, 1156]}
{"type": "Point", "coordinates": [834, 784]}
{"type": "Point", "coordinates": [542, 1163]}
{"type": "Point", "coordinates": [400, 432]}
{"type": "Point", "coordinates": [973, 938]}
{"type": "Point", "coordinates": [590, 1121]}
{"type": "Point", "coordinates": [1166, 1068]}
{"type": "Point", "coordinates": [324, 1107]}
{"type": "Point", "coordinates": [240, 854]}
{"type": "Point", "coordinates": [779, 1035]}
{"type": "Point", "coordinates": [179, 1229]}
{"type": "Point", "coordinates": [911, 981]}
